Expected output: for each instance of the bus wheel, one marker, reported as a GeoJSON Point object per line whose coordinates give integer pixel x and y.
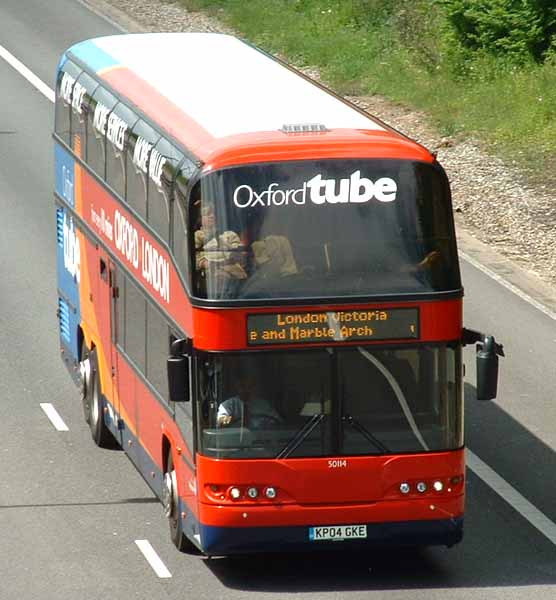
{"type": "Point", "coordinates": [170, 502]}
{"type": "Point", "coordinates": [92, 405]}
{"type": "Point", "coordinates": [85, 375]}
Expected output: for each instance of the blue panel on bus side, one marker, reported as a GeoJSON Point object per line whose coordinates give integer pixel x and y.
{"type": "Point", "coordinates": [64, 175]}
{"type": "Point", "coordinates": [68, 267]}
{"type": "Point", "coordinates": [96, 58]}
{"type": "Point", "coordinates": [68, 254]}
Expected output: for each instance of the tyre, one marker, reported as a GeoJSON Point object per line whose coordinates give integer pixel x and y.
{"type": "Point", "coordinates": [85, 375]}
{"type": "Point", "coordinates": [91, 395]}
{"type": "Point", "coordinates": [170, 502]}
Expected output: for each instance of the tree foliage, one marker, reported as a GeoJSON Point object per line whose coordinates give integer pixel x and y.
{"type": "Point", "coordinates": [517, 29]}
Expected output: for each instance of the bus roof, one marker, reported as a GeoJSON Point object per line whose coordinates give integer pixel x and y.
{"type": "Point", "coordinates": [206, 89]}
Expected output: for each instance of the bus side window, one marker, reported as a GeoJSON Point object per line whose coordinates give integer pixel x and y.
{"type": "Point", "coordinates": [101, 104]}
{"type": "Point", "coordinates": [120, 123]}
{"type": "Point", "coordinates": [158, 350]}
{"type": "Point", "coordinates": [142, 140]}
{"type": "Point", "coordinates": [67, 77]}
{"type": "Point", "coordinates": [163, 165]}
{"type": "Point", "coordinates": [135, 318]}
{"type": "Point", "coordinates": [180, 222]}
{"type": "Point", "coordinates": [81, 105]}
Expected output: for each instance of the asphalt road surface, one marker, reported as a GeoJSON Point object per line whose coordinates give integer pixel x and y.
{"type": "Point", "coordinates": [70, 513]}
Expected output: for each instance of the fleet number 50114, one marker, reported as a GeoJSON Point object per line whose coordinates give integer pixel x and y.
{"type": "Point", "coordinates": [337, 464]}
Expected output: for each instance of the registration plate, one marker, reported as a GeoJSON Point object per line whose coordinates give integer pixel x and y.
{"type": "Point", "coordinates": [337, 532]}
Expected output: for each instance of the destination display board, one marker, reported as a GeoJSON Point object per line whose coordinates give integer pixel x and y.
{"type": "Point", "coordinates": [333, 326]}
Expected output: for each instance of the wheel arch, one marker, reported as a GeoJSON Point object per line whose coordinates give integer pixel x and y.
{"type": "Point", "coordinates": [81, 342]}
{"type": "Point", "coordinates": [166, 449]}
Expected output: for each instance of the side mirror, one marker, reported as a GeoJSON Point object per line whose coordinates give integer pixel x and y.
{"type": "Point", "coordinates": [178, 371]}
{"type": "Point", "coordinates": [487, 369]}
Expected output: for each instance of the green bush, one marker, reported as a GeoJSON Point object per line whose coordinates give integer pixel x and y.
{"type": "Point", "coordinates": [521, 30]}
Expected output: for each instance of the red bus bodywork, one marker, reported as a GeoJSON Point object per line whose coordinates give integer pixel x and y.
{"type": "Point", "coordinates": [311, 492]}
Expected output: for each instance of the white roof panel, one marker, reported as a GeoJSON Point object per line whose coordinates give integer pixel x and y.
{"type": "Point", "coordinates": [227, 86]}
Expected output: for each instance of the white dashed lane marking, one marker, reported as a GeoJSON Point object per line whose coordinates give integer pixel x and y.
{"type": "Point", "coordinates": [153, 559]}
{"type": "Point", "coordinates": [54, 417]}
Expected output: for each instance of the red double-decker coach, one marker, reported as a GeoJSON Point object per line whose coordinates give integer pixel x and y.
{"type": "Point", "coordinates": [260, 298]}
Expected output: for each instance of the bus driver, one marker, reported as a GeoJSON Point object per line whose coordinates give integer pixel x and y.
{"type": "Point", "coordinates": [248, 408]}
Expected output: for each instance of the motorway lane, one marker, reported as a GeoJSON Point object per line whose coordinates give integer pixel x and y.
{"type": "Point", "coordinates": [69, 512]}
{"type": "Point", "coordinates": [41, 31]}
{"type": "Point", "coordinates": [516, 434]}
{"type": "Point", "coordinates": [66, 508]}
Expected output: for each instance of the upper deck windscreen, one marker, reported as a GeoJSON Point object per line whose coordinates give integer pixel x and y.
{"type": "Point", "coordinates": [323, 229]}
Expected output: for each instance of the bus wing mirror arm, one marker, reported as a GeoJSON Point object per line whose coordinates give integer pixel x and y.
{"type": "Point", "coordinates": [470, 336]}
{"type": "Point", "coordinates": [181, 347]}
{"type": "Point", "coordinates": [178, 370]}
{"type": "Point", "coordinates": [488, 352]}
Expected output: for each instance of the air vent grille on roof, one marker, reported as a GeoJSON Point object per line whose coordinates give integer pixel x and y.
{"type": "Point", "coordinates": [304, 128]}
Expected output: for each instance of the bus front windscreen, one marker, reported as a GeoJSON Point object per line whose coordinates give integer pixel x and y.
{"type": "Point", "coordinates": [323, 229]}
{"type": "Point", "coordinates": [330, 402]}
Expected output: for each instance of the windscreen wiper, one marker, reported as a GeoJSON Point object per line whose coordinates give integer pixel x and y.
{"type": "Point", "coordinates": [365, 432]}
{"type": "Point", "coordinates": [301, 435]}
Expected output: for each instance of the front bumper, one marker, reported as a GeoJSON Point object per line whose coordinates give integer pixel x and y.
{"type": "Point", "coordinates": [246, 540]}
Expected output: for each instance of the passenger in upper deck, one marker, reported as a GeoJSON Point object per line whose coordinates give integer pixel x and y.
{"type": "Point", "coordinates": [274, 255]}
{"type": "Point", "coordinates": [220, 256]}
{"type": "Point", "coordinates": [430, 262]}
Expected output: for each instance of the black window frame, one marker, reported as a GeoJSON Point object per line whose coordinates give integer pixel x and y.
{"type": "Point", "coordinates": [161, 193]}
{"type": "Point", "coordinates": [63, 107]}
{"type": "Point", "coordinates": [137, 177]}
{"type": "Point", "coordinates": [157, 376]}
{"type": "Point", "coordinates": [90, 85]}
{"type": "Point", "coordinates": [181, 219]}
{"type": "Point", "coordinates": [115, 155]}
{"type": "Point", "coordinates": [95, 138]}
{"type": "Point", "coordinates": [135, 347]}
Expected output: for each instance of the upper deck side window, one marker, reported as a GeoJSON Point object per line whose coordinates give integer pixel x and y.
{"type": "Point", "coordinates": [119, 124]}
{"type": "Point", "coordinates": [180, 225]}
{"type": "Point", "coordinates": [142, 139]}
{"type": "Point", "coordinates": [67, 76]}
{"type": "Point", "coordinates": [101, 104]}
{"type": "Point", "coordinates": [328, 228]}
{"type": "Point", "coordinates": [83, 91]}
{"type": "Point", "coordinates": [163, 167]}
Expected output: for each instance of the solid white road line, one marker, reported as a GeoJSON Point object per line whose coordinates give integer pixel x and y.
{"type": "Point", "coordinates": [25, 72]}
{"type": "Point", "coordinates": [509, 286]}
{"type": "Point", "coordinates": [538, 519]}
{"type": "Point", "coordinates": [153, 559]}
{"type": "Point", "coordinates": [54, 417]}
{"type": "Point", "coordinates": [99, 14]}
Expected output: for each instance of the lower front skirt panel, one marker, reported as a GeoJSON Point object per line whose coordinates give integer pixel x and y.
{"type": "Point", "coordinates": [245, 540]}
